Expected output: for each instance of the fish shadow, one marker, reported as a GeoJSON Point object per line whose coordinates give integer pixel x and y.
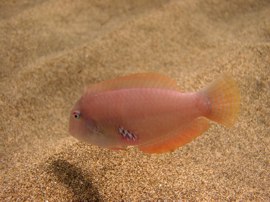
{"type": "Point", "coordinates": [73, 178]}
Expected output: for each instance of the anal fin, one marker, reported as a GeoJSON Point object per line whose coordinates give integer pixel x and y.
{"type": "Point", "coordinates": [177, 138]}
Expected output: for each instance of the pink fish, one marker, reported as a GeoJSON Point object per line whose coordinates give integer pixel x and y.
{"type": "Point", "coordinates": [148, 111]}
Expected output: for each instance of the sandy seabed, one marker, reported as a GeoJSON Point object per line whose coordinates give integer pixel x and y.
{"type": "Point", "coordinates": [49, 50]}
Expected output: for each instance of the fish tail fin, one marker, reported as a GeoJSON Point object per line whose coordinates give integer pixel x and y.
{"type": "Point", "coordinates": [224, 97]}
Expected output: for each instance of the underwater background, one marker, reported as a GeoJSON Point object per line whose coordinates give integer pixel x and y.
{"type": "Point", "coordinates": [51, 49]}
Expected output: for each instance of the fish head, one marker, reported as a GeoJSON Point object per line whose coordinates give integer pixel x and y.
{"type": "Point", "coordinates": [81, 126]}
{"type": "Point", "coordinates": [84, 127]}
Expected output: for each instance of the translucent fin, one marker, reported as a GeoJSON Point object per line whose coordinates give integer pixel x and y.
{"type": "Point", "coordinates": [118, 148]}
{"type": "Point", "coordinates": [177, 138]}
{"type": "Point", "coordinates": [224, 100]}
{"type": "Point", "coordinates": [139, 80]}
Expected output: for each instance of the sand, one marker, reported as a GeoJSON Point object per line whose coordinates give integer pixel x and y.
{"type": "Point", "coordinates": [51, 49]}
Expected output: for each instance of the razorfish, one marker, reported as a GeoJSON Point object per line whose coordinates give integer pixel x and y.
{"type": "Point", "coordinates": [149, 111]}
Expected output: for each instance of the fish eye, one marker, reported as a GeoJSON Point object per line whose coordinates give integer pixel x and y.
{"type": "Point", "coordinates": [76, 114]}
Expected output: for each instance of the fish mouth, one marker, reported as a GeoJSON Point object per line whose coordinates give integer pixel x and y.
{"type": "Point", "coordinates": [71, 129]}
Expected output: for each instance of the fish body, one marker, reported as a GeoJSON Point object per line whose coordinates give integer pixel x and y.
{"type": "Point", "coordinates": [148, 110]}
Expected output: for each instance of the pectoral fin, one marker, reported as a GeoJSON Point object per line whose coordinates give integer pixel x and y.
{"type": "Point", "coordinates": [118, 148]}
{"type": "Point", "coordinates": [177, 138]}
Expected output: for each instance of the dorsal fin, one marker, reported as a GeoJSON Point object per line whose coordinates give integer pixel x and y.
{"type": "Point", "coordinates": [177, 138]}
{"type": "Point", "coordinates": [139, 80]}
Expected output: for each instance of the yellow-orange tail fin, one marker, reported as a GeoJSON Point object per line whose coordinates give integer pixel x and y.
{"type": "Point", "coordinates": [224, 97]}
